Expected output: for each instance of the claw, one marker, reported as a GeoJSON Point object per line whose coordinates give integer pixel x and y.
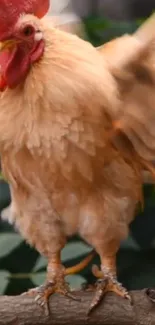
{"type": "Point", "coordinates": [99, 294]}
{"type": "Point", "coordinates": [108, 283]}
{"type": "Point", "coordinates": [151, 294]}
{"type": "Point", "coordinates": [37, 298]}
{"type": "Point", "coordinates": [71, 296]}
{"type": "Point", "coordinates": [41, 294]}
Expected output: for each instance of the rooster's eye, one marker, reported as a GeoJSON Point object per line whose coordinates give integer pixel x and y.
{"type": "Point", "coordinates": [28, 30]}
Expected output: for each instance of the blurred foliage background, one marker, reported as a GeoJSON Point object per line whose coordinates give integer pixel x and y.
{"type": "Point", "coordinates": [21, 267]}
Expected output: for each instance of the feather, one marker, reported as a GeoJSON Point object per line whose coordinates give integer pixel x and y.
{"type": "Point", "coordinates": [134, 70]}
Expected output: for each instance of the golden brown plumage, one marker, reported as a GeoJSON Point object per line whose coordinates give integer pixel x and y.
{"type": "Point", "coordinates": [135, 79]}
{"type": "Point", "coordinates": [66, 175]}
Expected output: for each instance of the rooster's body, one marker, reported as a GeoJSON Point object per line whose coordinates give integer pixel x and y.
{"type": "Point", "coordinates": [65, 175]}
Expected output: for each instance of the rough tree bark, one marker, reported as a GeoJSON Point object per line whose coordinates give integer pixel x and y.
{"type": "Point", "coordinates": [21, 310]}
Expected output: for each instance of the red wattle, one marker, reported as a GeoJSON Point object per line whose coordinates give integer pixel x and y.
{"type": "Point", "coordinates": [15, 64]}
{"type": "Point", "coordinates": [4, 57]}
{"type": "Point", "coordinates": [3, 83]}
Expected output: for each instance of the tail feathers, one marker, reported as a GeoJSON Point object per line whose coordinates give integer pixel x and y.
{"type": "Point", "coordinates": [134, 72]}
{"type": "Point", "coordinates": [80, 266]}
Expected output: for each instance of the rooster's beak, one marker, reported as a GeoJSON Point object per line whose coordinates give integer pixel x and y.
{"type": "Point", "coordinates": [9, 44]}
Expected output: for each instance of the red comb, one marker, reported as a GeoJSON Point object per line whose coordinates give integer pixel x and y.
{"type": "Point", "coordinates": [10, 10]}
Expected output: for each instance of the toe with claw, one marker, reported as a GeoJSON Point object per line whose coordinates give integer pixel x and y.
{"type": "Point", "coordinates": [41, 294]}
{"type": "Point", "coordinates": [107, 283]}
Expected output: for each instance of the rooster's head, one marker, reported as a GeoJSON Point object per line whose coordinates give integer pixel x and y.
{"type": "Point", "coordinates": [21, 38]}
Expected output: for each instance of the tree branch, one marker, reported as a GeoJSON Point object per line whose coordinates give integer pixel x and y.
{"type": "Point", "coordinates": [22, 310]}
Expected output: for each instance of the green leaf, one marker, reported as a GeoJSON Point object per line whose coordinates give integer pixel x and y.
{"type": "Point", "coordinates": [8, 242]}
{"type": "Point", "coordinates": [1, 176]}
{"type": "Point", "coordinates": [75, 281]}
{"type": "Point", "coordinates": [70, 251]}
{"type": "Point", "coordinates": [4, 195]}
{"type": "Point", "coordinates": [38, 278]}
{"type": "Point", "coordinates": [74, 250]}
{"type": "Point", "coordinates": [130, 243]}
{"type": "Point", "coordinates": [142, 273]}
{"type": "Point", "coordinates": [4, 280]}
{"type": "Point", "coordinates": [40, 263]}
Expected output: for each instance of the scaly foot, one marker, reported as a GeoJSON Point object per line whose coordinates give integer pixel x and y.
{"type": "Point", "coordinates": [107, 283]}
{"type": "Point", "coordinates": [41, 294]}
{"type": "Point", "coordinates": [55, 281]}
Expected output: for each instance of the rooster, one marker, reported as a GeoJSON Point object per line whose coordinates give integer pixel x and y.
{"type": "Point", "coordinates": [66, 141]}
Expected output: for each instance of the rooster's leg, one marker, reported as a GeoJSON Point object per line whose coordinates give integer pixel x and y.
{"type": "Point", "coordinates": [55, 283]}
{"type": "Point", "coordinates": [55, 280]}
{"type": "Point", "coordinates": [107, 281]}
